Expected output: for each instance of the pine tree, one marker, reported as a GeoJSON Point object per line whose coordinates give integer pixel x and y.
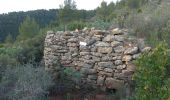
{"type": "Point", "coordinates": [28, 29]}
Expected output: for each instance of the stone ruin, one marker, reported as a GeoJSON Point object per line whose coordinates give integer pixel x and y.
{"type": "Point", "coordinates": [104, 57]}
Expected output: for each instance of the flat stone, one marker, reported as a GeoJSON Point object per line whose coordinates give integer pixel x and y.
{"type": "Point", "coordinates": [90, 41]}
{"type": "Point", "coordinates": [100, 80]}
{"type": "Point", "coordinates": [91, 71]}
{"type": "Point", "coordinates": [108, 38]}
{"type": "Point", "coordinates": [96, 59]}
{"type": "Point", "coordinates": [96, 54]}
{"type": "Point", "coordinates": [73, 40]}
{"type": "Point", "coordinates": [72, 44]}
{"type": "Point", "coordinates": [118, 62]}
{"type": "Point", "coordinates": [105, 50]}
{"type": "Point", "coordinates": [136, 56]}
{"type": "Point", "coordinates": [117, 31]}
{"type": "Point", "coordinates": [119, 38]}
{"type": "Point", "coordinates": [112, 83]}
{"type": "Point", "coordinates": [108, 70]}
{"type": "Point", "coordinates": [127, 58]}
{"type": "Point", "coordinates": [107, 58]}
{"type": "Point", "coordinates": [102, 73]}
{"type": "Point", "coordinates": [84, 53]}
{"type": "Point", "coordinates": [121, 67]}
{"type": "Point", "coordinates": [119, 49]}
{"type": "Point", "coordinates": [88, 66]}
{"type": "Point", "coordinates": [146, 49]}
{"type": "Point", "coordinates": [131, 67]}
{"type": "Point", "coordinates": [106, 64]}
{"type": "Point", "coordinates": [102, 44]}
{"type": "Point", "coordinates": [132, 50]}
{"type": "Point", "coordinates": [92, 77]}
{"type": "Point", "coordinates": [116, 43]}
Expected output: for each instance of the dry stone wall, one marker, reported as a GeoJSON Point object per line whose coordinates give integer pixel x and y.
{"type": "Point", "coordinates": [104, 57]}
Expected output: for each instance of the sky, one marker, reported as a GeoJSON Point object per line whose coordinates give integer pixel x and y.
{"type": "Point", "coordinates": [26, 5]}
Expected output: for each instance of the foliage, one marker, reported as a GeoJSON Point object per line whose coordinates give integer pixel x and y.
{"type": "Point", "coordinates": [9, 39]}
{"type": "Point", "coordinates": [152, 83]}
{"type": "Point", "coordinates": [66, 12]}
{"type": "Point", "coordinates": [28, 29]}
{"type": "Point", "coordinates": [99, 24]}
{"type": "Point", "coordinates": [25, 82]}
{"type": "Point", "coordinates": [76, 25]}
{"type": "Point", "coordinates": [9, 23]}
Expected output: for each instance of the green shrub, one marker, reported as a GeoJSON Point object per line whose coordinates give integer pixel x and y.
{"type": "Point", "coordinates": [152, 83]}
{"type": "Point", "coordinates": [76, 25]}
{"type": "Point", "coordinates": [26, 82]}
{"type": "Point", "coordinates": [100, 24]}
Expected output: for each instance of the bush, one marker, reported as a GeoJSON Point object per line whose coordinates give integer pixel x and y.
{"type": "Point", "coordinates": [150, 22]}
{"type": "Point", "coordinates": [100, 24]}
{"type": "Point", "coordinates": [152, 83]}
{"type": "Point", "coordinates": [76, 25]}
{"type": "Point", "coordinates": [26, 82]}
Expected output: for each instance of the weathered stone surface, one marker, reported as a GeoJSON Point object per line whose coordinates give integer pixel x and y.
{"type": "Point", "coordinates": [97, 54]}
{"type": "Point", "coordinates": [107, 58]}
{"type": "Point", "coordinates": [117, 31]}
{"type": "Point", "coordinates": [127, 58]}
{"type": "Point", "coordinates": [102, 44]}
{"type": "Point", "coordinates": [106, 64]}
{"type": "Point", "coordinates": [105, 50]}
{"type": "Point", "coordinates": [88, 66]}
{"type": "Point", "coordinates": [121, 67]}
{"type": "Point", "coordinates": [73, 40]}
{"type": "Point", "coordinates": [113, 83]}
{"type": "Point", "coordinates": [146, 49]}
{"type": "Point", "coordinates": [100, 80]}
{"type": "Point", "coordinates": [135, 56]}
{"type": "Point", "coordinates": [119, 49]}
{"type": "Point", "coordinates": [103, 73]}
{"type": "Point", "coordinates": [118, 62]}
{"type": "Point", "coordinates": [84, 53]}
{"type": "Point", "coordinates": [119, 38]}
{"type": "Point", "coordinates": [108, 38]}
{"type": "Point", "coordinates": [91, 41]}
{"type": "Point", "coordinates": [132, 50]}
{"type": "Point", "coordinates": [72, 44]}
{"type": "Point", "coordinates": [92, 77]}
{"type": "Point", "coordinates": [108, 70]}
{"type": "Point", "coordinates": [116, 43]}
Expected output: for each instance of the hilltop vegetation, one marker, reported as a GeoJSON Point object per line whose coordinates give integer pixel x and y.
{"type": "Point", "coordinates": [22, 42]}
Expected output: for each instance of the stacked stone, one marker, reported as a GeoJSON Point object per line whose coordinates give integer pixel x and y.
{"type": "Point", "coordinates": [104, 57]}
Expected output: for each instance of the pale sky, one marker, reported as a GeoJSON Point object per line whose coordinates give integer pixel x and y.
{"type": "Point", "coordinates": [25, 5]}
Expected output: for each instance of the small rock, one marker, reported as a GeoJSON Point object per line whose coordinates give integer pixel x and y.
{"type": "Point", "coordinates": [121, 67]}
{"type": "Point", "coordinates": [117, 31]}
{"type": "Point", "coordinates": [108, 38]}
{"type": "Point", "coordinates": [100, 80]}
{"type": "Point", "coordinates": [132, 50]}
{"type": "Point", "coordinates": [136, 56]}
{"type": "Point", "coordinates": [146, 49]}
{"type": "Point", "coordinates": [102, 44]}
{"type": "Point", "coordinates": [112, 83]}
{"type": "Point", "coordinates": [119, 49]}
{"type": "Point", "coordinates": [106, 50]}
{"type": "Point", "coordinates": [119, 38]}
{"type": "Point", "coordinates": [108, 70]}
{"type": "Point", "coordinates": [116, 43]}
{"type": "Point", "coordinates": [92, 77]}
{"type": "Point", "coordinates": [106, 64]}
{"type": "Point", "coordinates": [118, 62]}
{"type": "Point", "coordinates": [127, 58]}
